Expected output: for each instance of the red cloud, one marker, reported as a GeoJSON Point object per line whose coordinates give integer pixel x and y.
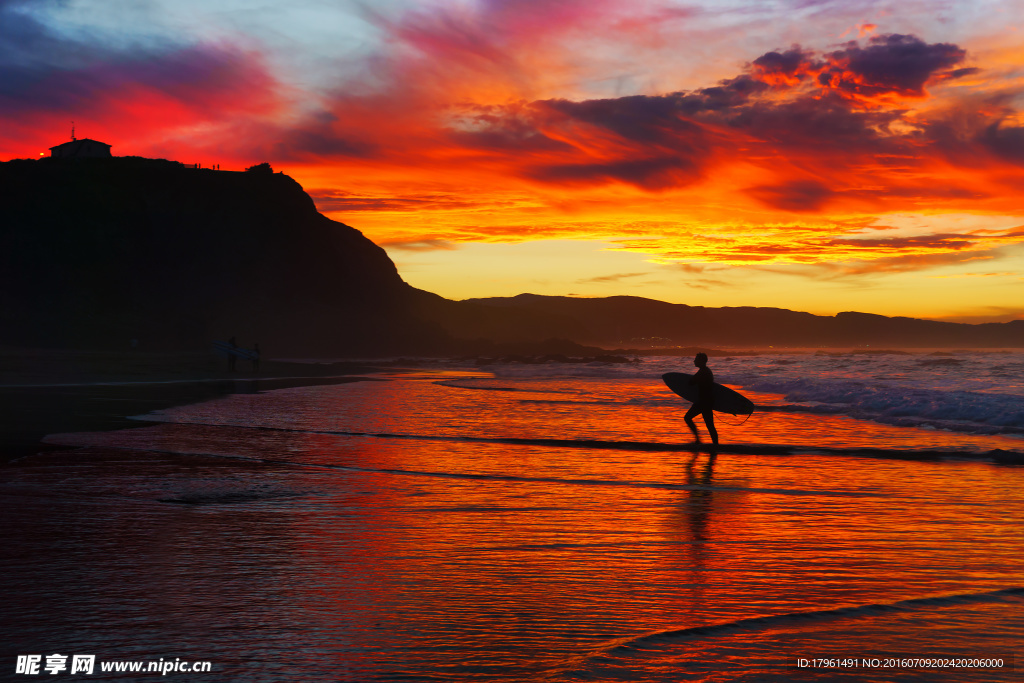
{"type": "Point", "coordinates": [795, 195]}
{"type": "Point", "coordinates": [784, 69]}
{"type": "Point", "coordinates": [889, 65]}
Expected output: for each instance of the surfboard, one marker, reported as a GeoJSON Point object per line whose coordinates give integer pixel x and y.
{"type": "Point", "coordinates": [726, 400]}
{"type": "Point", "coordinates": [226, 349]}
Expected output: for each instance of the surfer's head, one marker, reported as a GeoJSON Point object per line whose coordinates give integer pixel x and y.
{"type": "Point", "coordinates": [700, 360]}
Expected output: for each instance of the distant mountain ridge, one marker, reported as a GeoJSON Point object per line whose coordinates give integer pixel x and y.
{"type": "Point", "coordinates": [629, 321]}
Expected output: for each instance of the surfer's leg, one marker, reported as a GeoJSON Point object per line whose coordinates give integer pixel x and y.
{"type": "Point", "coordinates": [694, 409]}
{"type": "Point", "coordinates": [709, 422]}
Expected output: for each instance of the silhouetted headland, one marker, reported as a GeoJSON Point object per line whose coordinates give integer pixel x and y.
{"type": "Point", "coordinates": [97, 252]}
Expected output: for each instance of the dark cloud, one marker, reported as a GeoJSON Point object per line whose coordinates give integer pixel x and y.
{"type": "Point", "coordinates": [334, 200]}
{"type": "Point", "coordinates": [957, 73]}
{"type": "Point", "coordinates": [707, 283]}
{"type": "Point", "coordinates": [1016, 232]}
{"type": "Point", "coordinates": [41, 72]}
{"type": "Point", "coordinates": [829, 257]}
{"type": "Point", "coordinates": [21, 36]}
{"type": "Point", "coordinates": [893, 63]}
{"type": "Point", "coordinates": [899, 64]}
{"type": "Point", "coordinates": [505, 141]}
{"type": "Point", "coordinates": [796, 195]}
{"type": "Point", "coordinates": [640, 118]}
{"type": "Point", "coordinates": [727, 94]}
{"type": "Point", "coordinates": [947, 242]}
{"type": "Point", "coordinates": [33, 62]}
{"type": "Point", "coordinates": [974, 134]}
{"type": "Point", "coordinates": [658, 173]}
{"type": "Point", "coordinates": [610, 278]}
{"type": "Point", "coordinates": [645, 141]}
{"type": "Point", "coordinates": [491, 128]}
{"type": "Point", "coordinates": [934, 190]}
{"type": "Point", "coordinates": [908, 263]}
{"type": "Point", "coordinates": [690, 268]}
{"type": "Point", "coordinates": [318, 142]}
{"type": "Point", "coordinates": [788, 62]}
{"type": "Point", "coordinates": [814, 122]}
{"type": "Point", "coordinates": [789, 67]}
{"type": "Point", "coordinates": [421, 245]}
{"type": "Point", "coordinates": [1006, 142]}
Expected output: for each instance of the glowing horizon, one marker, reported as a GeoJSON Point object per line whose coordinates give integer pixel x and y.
{"type": "Point", "coordinates": [868, 156]}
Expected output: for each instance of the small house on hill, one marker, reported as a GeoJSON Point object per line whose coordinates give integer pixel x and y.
{"type": "Point", "coordinates": [77, 149]}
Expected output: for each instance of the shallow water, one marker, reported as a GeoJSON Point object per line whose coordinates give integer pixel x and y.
{"type": "Point", "coordinates": [512, 528]}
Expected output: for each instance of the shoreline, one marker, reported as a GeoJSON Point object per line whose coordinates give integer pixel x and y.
{"type": "Point", "coordinates": [50, 392]}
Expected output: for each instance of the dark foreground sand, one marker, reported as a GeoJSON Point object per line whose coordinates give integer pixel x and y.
{"type": "Point", "coordinates": [45, 392]}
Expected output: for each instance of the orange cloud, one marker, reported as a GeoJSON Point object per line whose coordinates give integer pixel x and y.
{"type": "Point", "coordinates": [866, 29]}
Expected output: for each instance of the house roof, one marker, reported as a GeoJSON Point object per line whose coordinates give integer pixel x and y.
{"type": "Point", "coordinates": [79, 140]}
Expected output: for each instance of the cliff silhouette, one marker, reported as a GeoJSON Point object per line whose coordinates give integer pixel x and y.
{"type": "Point", "coordinates": [95, 253]}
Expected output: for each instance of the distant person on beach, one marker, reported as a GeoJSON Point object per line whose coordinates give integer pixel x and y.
{"type": "Point", "coordinates": [256, 358]}
{"type": "Point", "coordinates": [705, 403]}
{"type": "Point", "coordinates": [232, 358]}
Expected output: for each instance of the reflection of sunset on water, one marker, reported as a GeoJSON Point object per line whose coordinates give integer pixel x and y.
{"type": "Point", "coordinates": [427, 546]}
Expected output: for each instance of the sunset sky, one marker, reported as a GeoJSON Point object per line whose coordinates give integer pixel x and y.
{"type": "Point", "coordinates": [816, 155]}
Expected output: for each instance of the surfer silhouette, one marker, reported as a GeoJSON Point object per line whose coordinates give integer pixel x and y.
{"type": "Point", "coordinates": [704, 379]}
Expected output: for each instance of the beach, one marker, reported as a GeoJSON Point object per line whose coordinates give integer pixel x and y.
{"type": "Point", "coordinates": [44, 391]}
{"type": "Point", "coordinates": [549, 522]}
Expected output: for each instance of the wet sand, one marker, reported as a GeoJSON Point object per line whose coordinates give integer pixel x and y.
{"type": "Point", "coordinates": [377, 559]}
{"type": "Point", "coordinates": [44, 392]}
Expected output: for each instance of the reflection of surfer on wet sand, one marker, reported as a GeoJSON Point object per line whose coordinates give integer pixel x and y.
{"type": "Point", "coordinates": [699, 500]}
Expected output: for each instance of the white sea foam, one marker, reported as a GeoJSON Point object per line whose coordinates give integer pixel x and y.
{"type": "Point", "coordinates": [966, 392]}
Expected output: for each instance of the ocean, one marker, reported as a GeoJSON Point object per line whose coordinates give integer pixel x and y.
{"type": "Point", "coordinates": [542, 522]}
